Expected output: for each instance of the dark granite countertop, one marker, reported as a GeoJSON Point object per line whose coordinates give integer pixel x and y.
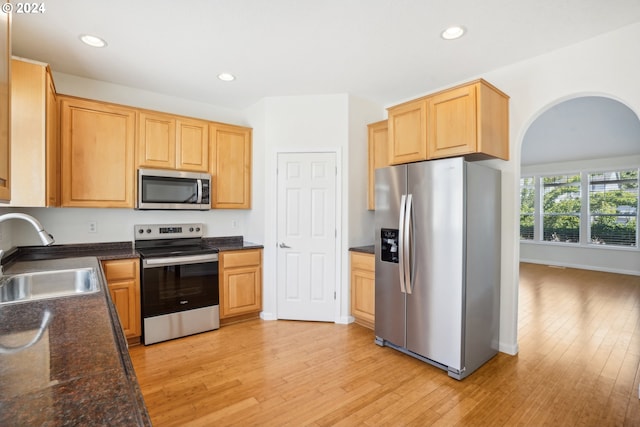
{"type": "Point", "coordinates": [109, 250]}
{"type": "Point", "coordinates": [79, 372]}
{"type": "Point", "coordinates": [103, 251]}
{"type": "Point", "coordinates": [370, 249]}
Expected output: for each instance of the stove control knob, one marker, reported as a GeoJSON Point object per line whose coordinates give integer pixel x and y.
{"type": "Point", "coordinates": [140, 231]}
{"type": "Point", "coordinates": [198, 229]}
{"type": "Point", "coordinates": [191, 229]}
{"type": "Point", "coordinates": [148, 231]}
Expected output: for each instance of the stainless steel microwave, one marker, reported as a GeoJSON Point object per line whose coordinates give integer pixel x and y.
{"type": "Point", "coordinates": [173, 190]}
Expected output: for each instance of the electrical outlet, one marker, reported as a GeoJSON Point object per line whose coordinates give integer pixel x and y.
{"type": "Point", "coordinates": [93, 227]}
{"type": "Point", "coordinates": [234, 223]}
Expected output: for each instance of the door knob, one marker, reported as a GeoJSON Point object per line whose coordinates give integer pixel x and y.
{"type": "Point", "coordinates": [283, 246]}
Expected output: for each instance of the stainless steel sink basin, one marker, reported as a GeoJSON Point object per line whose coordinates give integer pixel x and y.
{"type": "Point", "coordinates": [48, 284]}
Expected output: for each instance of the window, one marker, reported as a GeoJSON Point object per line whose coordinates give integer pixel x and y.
{"type": "Point", "coordinates": [527, 207]}
{"type": "Point", "coordinates": [561, 208]}
{"type": "Point", "coordinates": [613, 207]}
{"type": "Point", "coordinates": [586, 208]}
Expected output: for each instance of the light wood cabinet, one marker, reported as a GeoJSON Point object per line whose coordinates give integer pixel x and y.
{"type": "Point", "coordinates": [97, 146]}
{"type": "Point", "coordinates": [5, 106]}
{"type": "Point", "coordinates": [363, 292]}
{"type": "Point", "coordinates": [408, 132]}
{"type": "Point", "coordinates": [156, 146]}
{"type": "Point", "coordinates": [35, 153]}
{"type": "Point", "coordinates": [230, 166]}
{"type": "Point", "coordinates": [172, 142]}
{"type": "Point", "coordinates": [468, 120]}
{"type": "Point", "coordinates": [192, 145]}
{"type": "Point", "coordinates": [53, 173]}
{"type": "Point", "coordinates": [240, 284]}
{"type": "Point", "coordinates": [123, 281]}
{"type": "Point", "coordinates": [378, 148]}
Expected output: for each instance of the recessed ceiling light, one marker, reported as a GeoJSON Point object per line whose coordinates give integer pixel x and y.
{"type": "Point", "coordinates": [453, 33]}
{"type": "Point", "coordinates": [92, 41]}
{"type": "Point", "coordinates": [226, 77]}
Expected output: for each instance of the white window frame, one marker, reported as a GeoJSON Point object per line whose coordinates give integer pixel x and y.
{"type": "Point", "coordinates": [585, 216]}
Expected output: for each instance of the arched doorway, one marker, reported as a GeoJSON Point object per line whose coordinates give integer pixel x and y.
{"type": "Point", "coordinates": [577, 138]}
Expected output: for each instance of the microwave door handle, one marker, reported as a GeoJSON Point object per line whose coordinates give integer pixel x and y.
{"type": "Point", "coordinates": [199, 181]}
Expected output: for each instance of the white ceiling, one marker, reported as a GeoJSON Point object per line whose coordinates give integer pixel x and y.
{"type": "Point", "coordinates": [386, 51]}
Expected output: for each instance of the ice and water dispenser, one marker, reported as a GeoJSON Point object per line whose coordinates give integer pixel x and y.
{"type": "Point", "coordinates": [389, 245]}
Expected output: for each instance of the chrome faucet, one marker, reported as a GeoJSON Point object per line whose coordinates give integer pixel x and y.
{"type": "Point", "coordinates": [45, 238]}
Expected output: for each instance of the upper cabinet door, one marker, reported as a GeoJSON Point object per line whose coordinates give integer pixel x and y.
{"type": "Point", "coordinates": [52, 145]}
{"type": "Point", "coordinates": [192, 141]}
{"type": "Point", "coordinates": [408, 132]}
{"type": "Point", "coordinates": [231, 166]}
{"type": "Point", "coordinates": [35, 150]}
{"type": "Point", "coordinates": [5, 106]}
{"type": "Point", "coordinates": [156, 140]}
{"type": "Point", "coordinates": [97, 154]}
{"type": "Point", "coordinates": [452, 122]}
{"type": "Point", "coordinates": [378, 147]}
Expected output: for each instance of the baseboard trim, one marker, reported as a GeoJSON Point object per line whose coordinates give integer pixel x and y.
{"type": "Point", "coordinates": [580, 266]}
{"type": "Point", "coordinates": [268, 316]}
{"type": "Point", "coordinates": [510, 349]}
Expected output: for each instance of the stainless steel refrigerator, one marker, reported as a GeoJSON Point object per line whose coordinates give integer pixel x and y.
{"type": "Point", "coordinates": [437, 248]}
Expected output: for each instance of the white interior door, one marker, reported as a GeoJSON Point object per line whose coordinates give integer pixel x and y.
{"type": "Point", "coordinates": [306, 233]}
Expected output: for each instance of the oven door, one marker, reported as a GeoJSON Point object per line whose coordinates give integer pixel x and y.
{"type": "Point", "coordinates": [180, 283]}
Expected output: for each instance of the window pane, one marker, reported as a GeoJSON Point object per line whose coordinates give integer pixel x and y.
{"type": "Point", "coordinates": [527, 198]}
{"type": "Point", "coordinates": [561, 208]}
{"type": "Point", "coordinates": [613, 207]}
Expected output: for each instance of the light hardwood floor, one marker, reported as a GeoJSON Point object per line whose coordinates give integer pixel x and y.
{"type": "Point", "coordinates": [579, 339]}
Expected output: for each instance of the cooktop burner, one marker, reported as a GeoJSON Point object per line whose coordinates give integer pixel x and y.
{"type": "Point", "coordinates": [160, 240]}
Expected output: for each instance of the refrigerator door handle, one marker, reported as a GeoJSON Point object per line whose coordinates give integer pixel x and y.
{"type": "Point", "coordinates": [401, 253]}
{"type": "Point", "coordinates": [408, 252]}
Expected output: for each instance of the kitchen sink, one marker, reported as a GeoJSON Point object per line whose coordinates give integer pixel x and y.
{"type": "Point", "coordinates": [48, 284]}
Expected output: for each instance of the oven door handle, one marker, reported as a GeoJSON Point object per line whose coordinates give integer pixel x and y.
{"type": "Point", "coordinates": [189, 259]}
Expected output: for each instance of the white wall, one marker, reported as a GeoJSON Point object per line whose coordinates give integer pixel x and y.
{"type": "Point", "coordinates": [591, 257]}
{"type": "Point", "coordinates": [604, 65]}
{"type": "Point", "coordinates": [71, 225]}
{"type": "Point", "coordinates": [361, 220]}
{"type": "Point", "coordinates": [86, 88]}
{"type": "Point", "coordinates": [312, 123]}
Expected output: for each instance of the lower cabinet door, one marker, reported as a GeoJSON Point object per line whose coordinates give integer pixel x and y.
{"type": "Point", "coordinates": [240, 282]}
{"type": "Point", "coordinates": [123, 280]}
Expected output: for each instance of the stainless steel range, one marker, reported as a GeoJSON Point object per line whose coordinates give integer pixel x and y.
{"type": "Point", "coordinates": [179, 281]}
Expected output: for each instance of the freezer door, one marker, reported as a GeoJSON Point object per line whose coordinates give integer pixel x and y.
{"type": "Point", "coordinates": [434, 306]}
{"type": "Point", "coordinates": [390, 185]}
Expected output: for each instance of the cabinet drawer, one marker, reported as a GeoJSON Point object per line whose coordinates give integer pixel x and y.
{"type": "Point", "coordinates": [241, 258]}
{"type": "Point", "coordinates": [362, 261]}
{"type": "Point", "coordinates": [120, 269]}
